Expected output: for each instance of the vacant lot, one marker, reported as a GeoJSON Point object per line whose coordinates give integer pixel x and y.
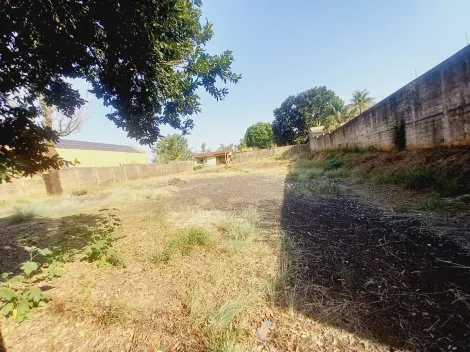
{"type": "Point", "coordinates": [201, 262]}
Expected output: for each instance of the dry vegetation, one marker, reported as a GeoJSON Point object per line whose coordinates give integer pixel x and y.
{"type": "Point", "coordinates": [207, 259]}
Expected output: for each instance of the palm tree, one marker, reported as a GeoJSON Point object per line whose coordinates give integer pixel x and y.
{"type": "Point", "coordinates": [336, 114]}
{"type": "Point", "coordinates": [361, 100]}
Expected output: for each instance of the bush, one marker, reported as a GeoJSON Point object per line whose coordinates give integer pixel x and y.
{"type": "Point", "coordinates": [21, 215]}
{"type": "Point", "coordinates": [198, 167]}
{"type": "Point", "coordinates": [78, 193]}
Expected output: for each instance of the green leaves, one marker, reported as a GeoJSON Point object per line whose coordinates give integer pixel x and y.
{"type": "Point", "coordinates": [7, 294]}
{"type": "Point", "coordinates": [259, 135]}
{"type": "Point", "coordinates": [298, 113]}
{"type": "Point", "coordinates": [172, 147]}
{"type": "Point", "coordinates": [100, 249]}
{"type": "Point", "coordinates": [29, 267]}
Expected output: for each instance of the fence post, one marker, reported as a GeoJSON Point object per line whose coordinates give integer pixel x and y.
{"type": "Point", "coordinates": [78, 178]}
{"type": "Point", "coordinates": [114, 177]}
{"type": "Point", "coordinates": [125, 172]}
{"type": "Point", "coordinates": [96, 176]}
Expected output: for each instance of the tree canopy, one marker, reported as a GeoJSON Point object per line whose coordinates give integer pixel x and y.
{"type": "Point", "coordinates": [336, 113]}
{"type": "Point", "coordinates": [170, 148]}
{"type": "Point", "coordinates": [361, 101]}
{"type": "Point", "coordinates": [298, 113]}
{"type": "Point", "coordinates": [259, 135]}
{"type": "Point", "coordinates": [145, 59]}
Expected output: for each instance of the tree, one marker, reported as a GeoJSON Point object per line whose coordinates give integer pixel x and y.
{"type": "Point", "coordinates": [145, 59]}
{"type": "Point", "coordinates": [298, 113]}
{"type": "Point", "coordinates": [230, 146]}
{"type": "Point", "coordinates": [259, 135]}
{"type": "Point", "coordinates": [171, 147]}
{"type": "Point", "coordinates": [336, 113]}
{"type": "Point", "coordinates": [65, 126]}
{"type": "Point", "coordinates": [203, 147]}
{"type": "Point", "coordinates": [361, 101]}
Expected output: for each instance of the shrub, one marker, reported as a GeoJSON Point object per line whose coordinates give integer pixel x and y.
{"type": "Point", "coordinates": [198, 167]}
{"type": "Point", "coordinates": [78, 193]}
{"type": "Point", "coordinates": [17, 295]}
{"type": "Point", "coordinates": [22, 215]}
{"type": "Point", "coordinates": [102, 236]}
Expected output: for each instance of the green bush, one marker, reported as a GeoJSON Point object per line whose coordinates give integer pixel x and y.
{"type": "Point", "coordinates": [198, 167]}
{"type": "Point", "coordinates": [22, 215]}
{"type": "Point", "coordinates": [78, 193]}
{"type": "Point", "coordinates": [102, 236]}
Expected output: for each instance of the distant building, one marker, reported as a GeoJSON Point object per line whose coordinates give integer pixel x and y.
{"type": "Point", "coordinates": [99, 154]}
{"type": "Point", "coordinates": [214, 158]}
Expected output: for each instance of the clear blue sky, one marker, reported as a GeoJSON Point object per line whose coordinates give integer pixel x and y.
{"type": "Point", "coordinates": [282, 48]}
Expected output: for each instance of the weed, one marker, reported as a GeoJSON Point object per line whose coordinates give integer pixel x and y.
{"type": "Point", "coordinates": [111, 314]}
{"type": "Point", "coordinates": [346, 274]}
{"type": "Point", "coordinates": [240, 229]}
{"type": "Point", "coordinates": [22, 215]}
{"type": "Point", "coordinates": [432, 205]}
{"type": "Point", "coordinates": [227, 313]}
{"type": "Point", "coordinates": [17, 295]}
{"type": "Point", "coordinates": [78, 193]}
{"type": "Point", "coordinates": [100, 249]}
{"type": "Point", "coordinates": [182, 244]}
{"type": "Point", "coordinates": [317, 187]}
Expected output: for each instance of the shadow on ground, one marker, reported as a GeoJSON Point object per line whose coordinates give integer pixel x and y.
{"type": "Point", "coordinates": [382, 276]}
{"type": "Point", "coordinates": [65, 234]}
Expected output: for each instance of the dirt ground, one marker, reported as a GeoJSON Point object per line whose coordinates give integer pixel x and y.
{"type": "Point", "coordinates": [331, 272]}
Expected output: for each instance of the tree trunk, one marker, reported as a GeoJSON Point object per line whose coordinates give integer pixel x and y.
{"type": "Point", "coordinates": [52, 178]}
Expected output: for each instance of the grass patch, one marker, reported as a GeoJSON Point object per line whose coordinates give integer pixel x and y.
{"type": "Point", "coordinates": [183, 244]}
{"type": "Point", "coordinates": [22, 215]}
{"type": "Point", "coordinates": [78, 193]}
{"type": "Point", "coordinates": [244, 225]}
{"type": "Point", "coordinates": [432, 205]}
{"type": "Point", "coordinates": [319, 187]}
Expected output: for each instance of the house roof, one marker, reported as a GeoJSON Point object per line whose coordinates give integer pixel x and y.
{"type": "Point", "coordinates": [70, 144]}
{"type": "Point", "coordinates": [217, 153]}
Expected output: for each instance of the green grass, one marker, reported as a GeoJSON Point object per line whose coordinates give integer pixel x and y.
{"type": "Point", "coordinates": [78, 193]}
{"type": "Point", "coordinates": [22, 214]}
{"type": "Point", "coordinates": [182, 244]}
{"type": "Point", "coordinates": [432, 205]}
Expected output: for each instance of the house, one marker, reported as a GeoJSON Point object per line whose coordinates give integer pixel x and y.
{"type": "Point", "coordinates": [214, 158]}
{"type": "Point", "coordinates": [99, 154]}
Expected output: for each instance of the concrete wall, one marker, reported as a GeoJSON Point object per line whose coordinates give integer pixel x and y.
{"type": "Point", "coordinates": [76, 178]}
{"type": "Point", "coordinates": [287, 151]}
{"type": "Point", "coordinates": [99, 158]}
{"type": "Point", "coordinates": [435, 109]}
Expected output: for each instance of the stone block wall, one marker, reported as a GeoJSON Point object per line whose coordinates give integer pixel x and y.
{"type": "Point", "coordinates": [434, 108]}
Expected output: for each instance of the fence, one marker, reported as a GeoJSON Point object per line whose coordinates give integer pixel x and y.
{"type": "Point", "coordinates": [81, 177]}
{"type": "Point", "coordinates": [287, 151]}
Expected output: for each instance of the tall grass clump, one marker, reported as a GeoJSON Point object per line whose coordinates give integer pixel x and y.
{"type": "Point", "coordinates": [183, 244]}
{"type": "Point", "coordinates": [22, 214]}
{"type": "Point", "coordinates": [244, 225]}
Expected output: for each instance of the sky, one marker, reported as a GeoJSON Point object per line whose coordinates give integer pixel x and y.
{"type": "Point", "coordinates": [282, 48]}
